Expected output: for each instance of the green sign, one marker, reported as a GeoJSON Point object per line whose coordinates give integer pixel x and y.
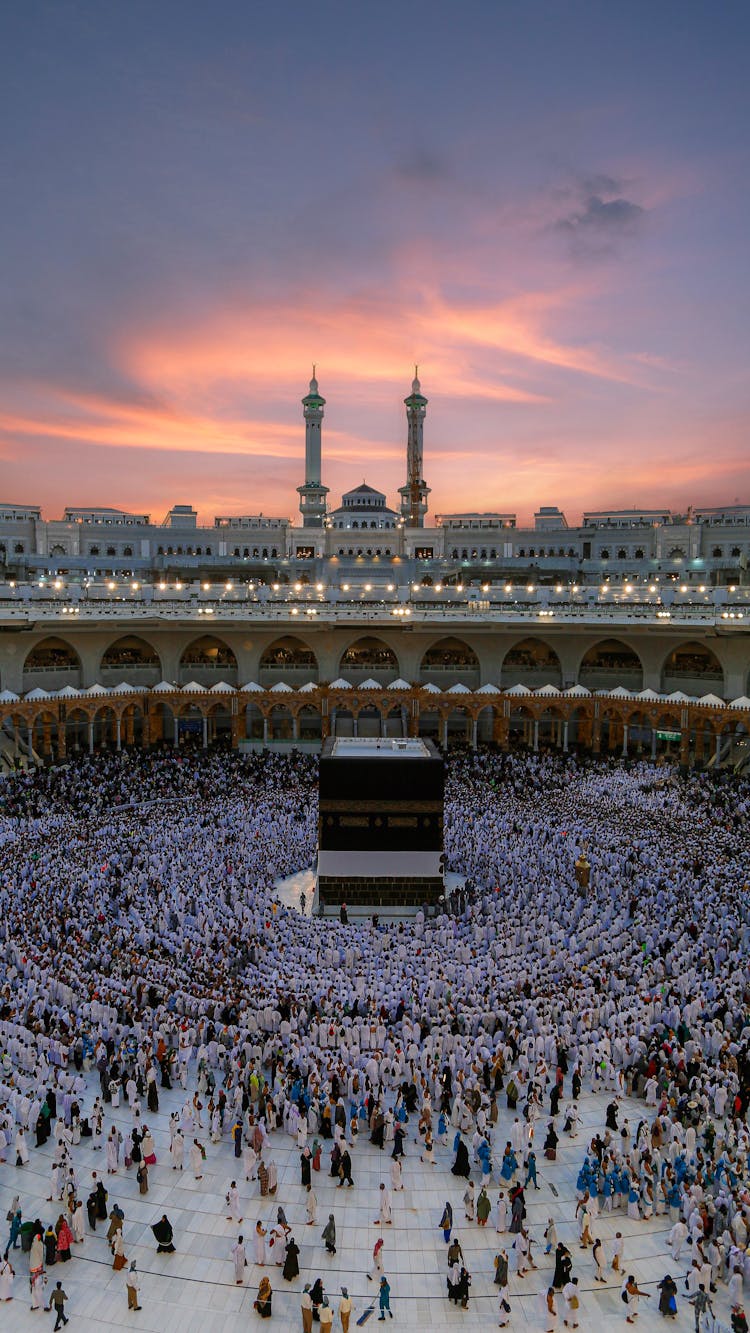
{"type": "Point", "coordinates": [669, 735]}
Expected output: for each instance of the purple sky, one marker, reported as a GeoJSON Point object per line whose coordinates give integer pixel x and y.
{"type": "Point", "coordinates": [545, 205]}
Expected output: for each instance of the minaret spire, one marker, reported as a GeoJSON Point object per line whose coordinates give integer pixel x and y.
{"type": "Point", "coordinates": [313, 494]}
{"type": "Point", "coordinates": [414, 493]}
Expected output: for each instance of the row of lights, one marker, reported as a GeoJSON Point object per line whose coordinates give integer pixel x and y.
{"type": "Point", "coordinates": [732, 615]}
{"type": "Point", "coordinates": [402, 611]}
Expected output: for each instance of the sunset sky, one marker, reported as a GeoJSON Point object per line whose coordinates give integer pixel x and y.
{"type": "Point", "coordinates": [547, 205]}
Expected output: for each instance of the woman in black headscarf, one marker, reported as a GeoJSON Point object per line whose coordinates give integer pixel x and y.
{"type": "Point", "coordinates": [163, 1234]}
{"type": "Point", "coordinates": [291, 1262]}
{"type": "Point", "coordinates": [461, 1166]}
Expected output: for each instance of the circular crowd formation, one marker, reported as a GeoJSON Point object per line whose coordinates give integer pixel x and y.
{"type": "Point", "coordinates": [214, 1105]}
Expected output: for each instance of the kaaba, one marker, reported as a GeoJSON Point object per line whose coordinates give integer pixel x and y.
{"type": "Point", "coordinates": [380, 829]}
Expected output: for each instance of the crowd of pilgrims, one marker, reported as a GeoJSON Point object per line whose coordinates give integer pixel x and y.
{"type": "Point", "coordinates": [141, 938]}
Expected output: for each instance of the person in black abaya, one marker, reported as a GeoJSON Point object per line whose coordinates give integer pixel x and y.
{"type": "Point", "coordinates": [461, 1166]}
{"type": "Point", "coordinates": [563, 1266]}
{"type": "Point", "coordinates": [304, 1166]}
{"type": "Point", "coordinates": [163, 1235]}
{"type": "Point", "coordinates": [291, 1260]}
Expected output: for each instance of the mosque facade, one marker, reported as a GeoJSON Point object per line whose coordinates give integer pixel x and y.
{"type": "Point", "coordinates": [628, 631]}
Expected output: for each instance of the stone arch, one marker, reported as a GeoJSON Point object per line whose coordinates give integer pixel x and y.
{"type": "Point", "coordinates": [219, 721]}
{"type": "Point", "coordinates": [281, 722]}
{"type": "Point", "coordinates": [310, 722]}
{"type": "Point", "coordinates": [368, 656]}
{"type": "Point", "coordinates": [288, 660]}
{"type": "Point", "coordinates": [609, 663]}
{"type": "Point", "coordinates": [51, 664]}
{"type": "Point", "coordinates": [450, 661]}
{"type": "Point", "coordinates": [77, 730]}
{"type": "Point", "coordinates": [369, 719]}
{"type": "Point", "coordinates": [132, 659]}
{"type": "Point", "coordinates": [551, 720]}
{"type": "Point", "coordinates": [693, 668]}
{"type": "Point", "coordinates": [43, 728]}
{"type": "Point", "coordinates": [531, 662]}
{"type": "Point", "coordinates": [207, 660]}
{"type": "Point", "coordinates": [457, 726]}
{"type": "Point", "coordinates": [521, 724]}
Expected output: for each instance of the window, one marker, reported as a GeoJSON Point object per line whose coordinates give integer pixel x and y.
{"type": "Point", "coordinates": [717, 553]}
{"type": "Point", "coordinates": [127, 550]}
{"type": "Point", "coordinates": [93, 550]}
{"type": "Point", "coordinates": [111, 550]}
{"type": "Point", "coordinates": [622, 554]}
{"type": "Point", "coordinates": [18, 548]}
{"type": "Point", "coordinates": [604, 555]}
{"type": "Point", "coordinates": [639, 553]}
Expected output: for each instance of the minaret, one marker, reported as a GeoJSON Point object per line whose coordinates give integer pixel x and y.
{"type": "Point", "coordinates": [414, 493]}
{"type": "Point", "coordinates": [312, 496]}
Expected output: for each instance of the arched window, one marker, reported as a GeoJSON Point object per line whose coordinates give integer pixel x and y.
{"type": "Point", "coordinates": [717, 553]}
{"type": "Point", "coordinates": [18, 548]}
{"type": "Point", "coordinates": [93, 550]}
{"type": "Point", "coordinates": [111, 550]}
{"type": "Point", "coordinates": [736, 552]}
{"type": "Point", "coordinates": [622, 553]}
{"type": "Point", "coordinates": [604, 555]}
{"type": "Point", "coordinates": [639, 553]}
{"type": "Point", "coordinates": [127, 550]}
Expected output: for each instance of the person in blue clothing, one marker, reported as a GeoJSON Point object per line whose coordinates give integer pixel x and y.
{"type": "Point", "coordinates": [446, 1223]}
{"type": "Point", "coordinates": [384, 1298]}
{"type": "Point", "coordinates": [531, 1171]}
{"type": "Point", "coordinates": [15, 1231]}
{"type": "Point", "coordinates": [509, 1164]}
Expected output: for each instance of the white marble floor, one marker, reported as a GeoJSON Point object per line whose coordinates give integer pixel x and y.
{"type": "Point", "coordinates": [194, 1288]}
{"type": "Point", "coordinates": [289, 890]}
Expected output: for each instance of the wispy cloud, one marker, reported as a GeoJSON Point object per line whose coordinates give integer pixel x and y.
{"type": "Point", "coordinates": [599, 217]}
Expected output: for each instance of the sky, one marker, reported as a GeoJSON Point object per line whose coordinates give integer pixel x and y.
{"type": "Point", "coordinates": [545, 205]}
